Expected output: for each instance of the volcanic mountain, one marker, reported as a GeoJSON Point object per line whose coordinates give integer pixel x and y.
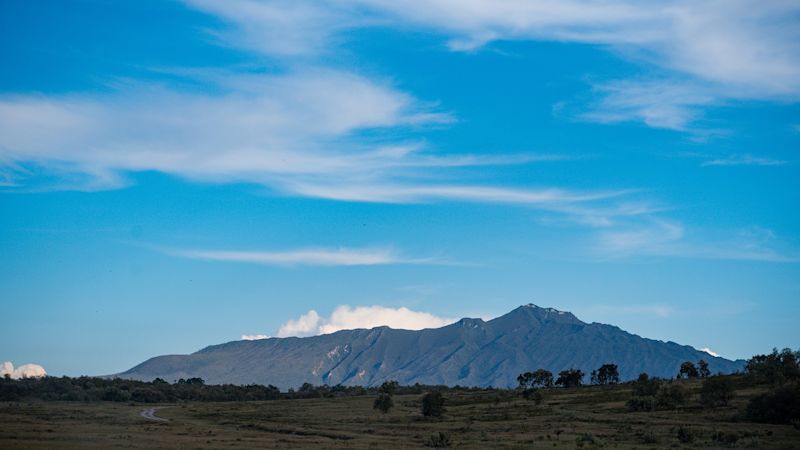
{"type": "Point", "coordinates": [470, 352]}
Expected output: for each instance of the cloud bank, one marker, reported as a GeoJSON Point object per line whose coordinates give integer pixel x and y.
{"type": "Point", "coordinates": [23, 371]}
{"type": "Point", "coordinates": [348, 318]}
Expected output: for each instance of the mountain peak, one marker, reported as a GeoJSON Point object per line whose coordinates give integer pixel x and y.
{"type": "Point", "coordinates": [526, 314]}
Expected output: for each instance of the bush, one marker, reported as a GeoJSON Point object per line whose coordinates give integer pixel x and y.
{"type": "Point", "coordinates": [433, 404]}
{"type": "Point", "coordinates": [646, 386]}
{"type": "Point", "coordinates": [671, 395]}
{"type": "Point", "coordinates": [780, 405]}
{"type": "Point", "coordinates": [439, 439]}
{"type": "Point", "coordinates": [685, 435]}
{"type": "Point", "coordinates": [147, 395]}
{"type": "Point", "coordinates": [533, 394]}
{"type": "Point", "coordinates": [716, 391]}
{"type": "Point", "coordinates": [389, 387]}
{"type": "Point", "coordinates": [383, 402]}
{"type": "Point", "coordinates": [642, 403]}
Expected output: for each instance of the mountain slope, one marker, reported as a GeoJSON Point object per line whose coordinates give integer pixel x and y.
{"type": "Point", "coordinates": [470, 352]}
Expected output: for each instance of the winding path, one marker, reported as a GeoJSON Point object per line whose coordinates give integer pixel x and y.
{"type": "Point", "coordinates": [150, 414]}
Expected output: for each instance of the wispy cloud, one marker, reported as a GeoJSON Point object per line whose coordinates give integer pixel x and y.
{"type": "Point", "coordinates": [740, 49]}
{"type": "Point", "coordinates": [308, 257]}
{"type": "Point", "coordinates": [744, 160]}
{"type": "Point", "coordinates": [299, 134]}
{"type": "Point", "coordinates": [669, 239]}
{"type": "Point", "coordinates": [659, 104]}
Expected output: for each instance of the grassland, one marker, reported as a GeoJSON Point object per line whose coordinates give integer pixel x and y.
{"type": "Point", "coordinates": [589, 417]}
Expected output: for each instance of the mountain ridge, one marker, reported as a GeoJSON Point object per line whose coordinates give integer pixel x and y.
{"type": "Point", "coordinates": [469, 352]}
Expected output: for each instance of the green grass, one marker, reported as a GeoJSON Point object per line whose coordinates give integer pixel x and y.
{"type": "Point", "coordinates": [592, 417]}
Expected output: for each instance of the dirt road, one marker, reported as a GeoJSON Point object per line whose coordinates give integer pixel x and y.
{"type": "Point", "coordinates": [150, 414]}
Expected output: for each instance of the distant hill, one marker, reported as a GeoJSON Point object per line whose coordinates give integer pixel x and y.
{"type": "Point", "coordinates": [470, 352]}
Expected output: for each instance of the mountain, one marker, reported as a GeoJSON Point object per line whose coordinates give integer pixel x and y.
{"type": "Point", "coordinates": [470, 352]}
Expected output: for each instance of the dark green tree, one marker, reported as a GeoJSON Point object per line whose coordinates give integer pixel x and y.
{"type": "Point", "coordinates": [716, 391]}
{"type": "Point", "coordinates": [433, 404]}
{"type": "Point", "coordinates": [570, 378]}
{"type": "Point", "coordinates": [383, 402]}
{"type": "Point", "coordinates": [542, 378]}
{"type": "Point", "coordinates": [703, 371]}
{"type": "Point", "coordinates": [776, 367]}
{"type": "Point", "coordinates": [389, 387]}
{"type": "Point", "coordinates": [606, 374]}
{"type": "Point", "coordinates": [688, 370]}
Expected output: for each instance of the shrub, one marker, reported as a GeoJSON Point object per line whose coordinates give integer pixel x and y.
{"type": "Point", "coordinates": [725, 438]}
{"type": "Point", "coordinates": [533, 394]}
{"type": "Point", "coordinates": [433, 404]}
{"type": "Point", "coordinates": [439, 439]}
{"type": "Point", "coordinates": [716, 391]}
{"type": "Point", "coordinates": [389, 387]}
{"type": "Point", "coordinates": [383, 402]}
{"type": "Point", "coordinates": [780, 405]}
{"type": "Point", "coordinates": [645, 386]}
{"type": "Point", "coordinates": [685, 434]}
{"type": "Point", "coordinates": [642, 403]}
{"type": "Point", "coordinates": [671, 395]}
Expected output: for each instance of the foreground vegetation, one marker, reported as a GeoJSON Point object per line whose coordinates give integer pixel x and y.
{"type": "Point", "coordinates": [758, 409]}
{"type": "Point", "coordinates": [587, 417]}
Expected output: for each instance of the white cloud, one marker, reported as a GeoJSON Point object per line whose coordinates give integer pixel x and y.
{"type": "Point", "coordinates": [308, 257]}
{"type": "Point", "coordinates": [731, 49]}
{"type": "Point", "coordinates": [709, 351]}
{"type": "Point", "coordinates": [347, 318]}
{"type": "Point", "coordinates": [23, 371]}
{"type": "Point", "coordinates": [297, 134]}
{"type": "Point", "coordinates": [253, 337]}
{"type": "Point", "coordinates": [744, 160]}
{"type": "Point", "coordinates": [659, 104]}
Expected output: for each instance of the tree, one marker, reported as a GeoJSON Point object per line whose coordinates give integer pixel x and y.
{"type": "Point", "coordinates": [716, 391]}
{"type": "Point", "coordinates": [703, 369]}
{"type": "Point", "coordinates": [776, 367]}
{"type": "Point", "coordinates": [780, 405]}
{"type": "Point", "coordinates": [383, 402]}
{"type": "Point", "coordinates": [541, 378]}
{"type": "Point", "coordinates": [606, 374]}
{"type": "Point", "coordinates": [570, 378]}
{"type": "Point", "coordinates": [433, 404]}
{"type": "Point", "coordinates": [389, 387]}
{"type": "Point", "coordinates": [645, 386]}
{"type": "Point", "coordinates": [688, 369]}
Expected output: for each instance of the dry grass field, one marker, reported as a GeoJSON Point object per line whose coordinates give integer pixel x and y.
{"type": "Point", "coordinates": [592, 417]}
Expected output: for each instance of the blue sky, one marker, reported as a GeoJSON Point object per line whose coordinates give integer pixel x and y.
{"type": "Point", "coordinates": [179, 174]}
